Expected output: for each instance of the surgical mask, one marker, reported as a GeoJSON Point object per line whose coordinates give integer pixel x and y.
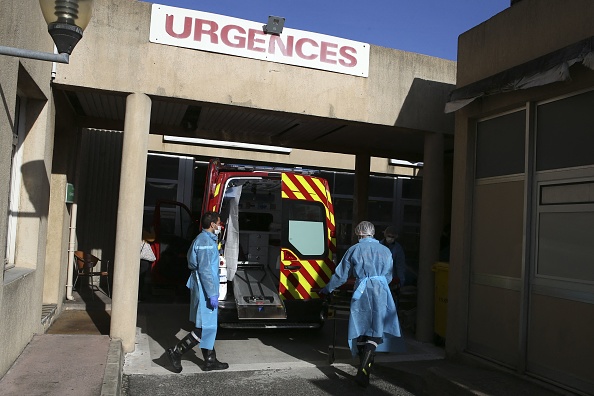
{"type": "Point", "coordinates": [217, 230]}
{"type": "Point", "coordinates": [390, 240]}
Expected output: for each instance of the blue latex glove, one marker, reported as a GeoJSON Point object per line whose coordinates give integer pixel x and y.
{"type": "Point", "coordinates": [214, 301]}
{"type": "Point", "coordinates": [324, 292]}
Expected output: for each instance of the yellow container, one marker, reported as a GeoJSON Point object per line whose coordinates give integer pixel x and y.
{"type": "Point", "coordinates": [441, 270]}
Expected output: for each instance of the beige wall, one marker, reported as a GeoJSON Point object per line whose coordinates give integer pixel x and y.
{"type": "Point", "coordinates": [21, 287]}
{"type": "Point", "coordinates": [63, 169]}
{"type": "Point", "coordinates": [529, 29]}
{"type": "Point", "coordinates": [523, 323]}
{"type": "Point", "coordinates": [394, 94]}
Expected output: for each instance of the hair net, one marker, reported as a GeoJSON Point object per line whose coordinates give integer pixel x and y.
{"type": "Point", "coordinates": [390, 231]}
{"type": "Point", "coordinates": [365, 228]}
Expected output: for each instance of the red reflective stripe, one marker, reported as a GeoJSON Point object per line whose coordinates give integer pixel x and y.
{"type": "Point", "coordinates": [288, 191]}
{"type": "Point", "coordinates": [307, 276]}
{"type": "Point", "coordinates": [316, 267]}
{"type": "Point", "coordinates": [292, 279]}
{"type": "Point", "coordinates": [300, 187]}
{"type": "Point", "coordinates": [302, 291]}
{"type": "Point", "coordinates": [321, 194]}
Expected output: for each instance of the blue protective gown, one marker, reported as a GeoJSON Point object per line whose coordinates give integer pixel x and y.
{"type": "Point", "coordinates": [203, 260]}
{"type": "Point", "coordinates": [373, 312]}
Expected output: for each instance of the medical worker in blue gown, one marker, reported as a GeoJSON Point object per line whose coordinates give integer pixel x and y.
{"type": "Point", "coordinates": [203, 260]}
{"type": "Point", "coordinates": [373, 312]}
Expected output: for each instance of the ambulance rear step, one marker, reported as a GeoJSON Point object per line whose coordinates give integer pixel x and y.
{"type": "Point", "coordinates": [256, 293]}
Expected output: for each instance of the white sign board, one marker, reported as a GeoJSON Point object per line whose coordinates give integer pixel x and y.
{"type": "Point", "coordinates": [232, 36]}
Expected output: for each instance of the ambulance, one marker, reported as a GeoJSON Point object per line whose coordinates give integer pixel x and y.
{"type": "Point", "coordinates": [277, 245]}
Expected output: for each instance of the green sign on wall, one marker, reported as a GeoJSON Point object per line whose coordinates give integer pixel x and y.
{"type": "Point", "coordinates": [69, 193]}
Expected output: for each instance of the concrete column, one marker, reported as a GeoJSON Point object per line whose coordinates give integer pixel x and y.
{"type": "Point", "coordinates": [129, 221]}
{"type": "Point", "coordinates": [361, 193]}
{"type": "Point", "coordinates": [431, 228]}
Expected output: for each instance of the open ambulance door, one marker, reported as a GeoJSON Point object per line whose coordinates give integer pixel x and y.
{"type": "Point", "coordinates": [308, 241]}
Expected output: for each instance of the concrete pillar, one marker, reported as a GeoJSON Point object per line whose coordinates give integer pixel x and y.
{"type": "Point", "coordinates": [129, 221]}
{"type": "Point", "coordinates": [361, 189]}
{"type": "Point", "coordinates": [431, 228]}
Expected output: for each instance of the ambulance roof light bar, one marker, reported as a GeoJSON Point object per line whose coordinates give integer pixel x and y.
{"type": "Point", "coordinates": [263, 168]}
{"type": "Point", "coordinates": [226, 144]}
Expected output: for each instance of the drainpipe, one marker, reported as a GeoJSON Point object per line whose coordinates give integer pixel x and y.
{"type": "Point", "coordinates": [54, 66]}
{"type": "Point", "coordinates": [71, 244]}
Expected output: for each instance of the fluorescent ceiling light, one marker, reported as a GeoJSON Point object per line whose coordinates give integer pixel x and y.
{"type": "Point", "coordinates": [396, 162]}
{"type": "Point", "coordinates": [226, 144]}
{"type": "Point", "coordinates": [169, 155]}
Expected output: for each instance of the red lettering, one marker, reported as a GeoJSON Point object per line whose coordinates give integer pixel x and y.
{"type": "Point", "coordinates": [169, 27]}
{"type": "Point", "coordinates": [351, 60]}
{"type": "Point", "coordinates": [199, 29]}
{"type": "Point", "coordinates": [286, 50]}
{"type": "Point", "coordinates": [252, 40]}
{"type": "Point", "coordinates": [325, 53]}
{"type": "Point", "coordinates": [239, 40]}
{"type": "Point", "coordinates": [299, 48]}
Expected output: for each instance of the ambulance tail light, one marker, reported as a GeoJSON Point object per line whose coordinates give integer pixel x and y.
{"type": "Point", "coordinates": [290, 256]}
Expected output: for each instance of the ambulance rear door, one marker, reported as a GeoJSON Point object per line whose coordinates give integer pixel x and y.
{"type": "Point", "coordinates": [308, 241]}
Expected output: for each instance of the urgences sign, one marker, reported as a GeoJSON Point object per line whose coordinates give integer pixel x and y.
{"type": "Point", "coordinates": [232, 36]}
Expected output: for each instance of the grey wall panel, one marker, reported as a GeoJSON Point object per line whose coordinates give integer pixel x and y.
{"type": "Point", "coordinates": [97, 191]}
{"type": "Point", "coordinates": [493, 323]}
{"type": "Point", "coordinates": [561, 346]}
{"type": "Point", "coordinates": [498, 229]}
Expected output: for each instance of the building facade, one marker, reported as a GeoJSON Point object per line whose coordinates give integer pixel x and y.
{"type": "Point", "coordinates": [521, 274]}
{"type": "Point", "coordinates": [90, 124]}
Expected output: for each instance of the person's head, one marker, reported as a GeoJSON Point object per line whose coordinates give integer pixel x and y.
{"type": "Point", "coordinates": [390, 234]}
{"type": "Point", "coordinates": [148, 234]}
{"type": "Point", "coordinates": [211, 221]}
{"type": "Point", "coordinates": [364, 230]}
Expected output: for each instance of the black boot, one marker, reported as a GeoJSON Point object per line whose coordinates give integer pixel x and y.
{"type": "Point", "coordinates": [211, 362]}
{"type": "Point", "coordinates": [362, 377]}
{"type": "Point", "coordinates": [360, 349]}
{"type": "Point", "coordinates": [174, 354]}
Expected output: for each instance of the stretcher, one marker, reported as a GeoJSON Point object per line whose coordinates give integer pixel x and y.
{"type": "Point", "coordinates": [338, 309]}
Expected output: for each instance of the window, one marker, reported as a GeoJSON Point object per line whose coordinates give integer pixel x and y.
{"type": "Point", "coordinates": [168, 178]}
{"type": "Point", "coordinates": [565, 192]}
{"type": "Point", "coordinates": [565, 133]}
{"type": "Point", "coordinates": [304, 228]}
{"type": "Point", "coordinates": [500, 145]}
{"type": "Point", "coordinates": [15, 181]}
{"type": "Point", "coordinates": [566, 244]}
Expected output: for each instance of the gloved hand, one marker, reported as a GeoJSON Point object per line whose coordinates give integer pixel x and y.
{"type": "Point", "coordinates": [214, 301]}
{"type": "Point", "coordinates": [324, 292]}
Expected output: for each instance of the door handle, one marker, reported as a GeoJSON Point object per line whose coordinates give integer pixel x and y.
{"type": "Point", "coordinates": [292, 267]}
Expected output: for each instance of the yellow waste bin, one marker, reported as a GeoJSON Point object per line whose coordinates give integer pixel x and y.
{"type": "Point", "coordinates": [441, 270]}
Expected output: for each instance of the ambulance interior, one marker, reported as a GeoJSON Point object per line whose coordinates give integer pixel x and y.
{"type": "Point", "coordinates": [251, 212]}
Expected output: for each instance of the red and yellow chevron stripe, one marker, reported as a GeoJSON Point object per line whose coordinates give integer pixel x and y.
{"type": "Point", "coordinates": [312, 274]}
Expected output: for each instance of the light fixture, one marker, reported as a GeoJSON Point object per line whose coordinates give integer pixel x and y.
{"type": "Point", "coordinates": [226, 144]}
{"type": "Point", "coordinates": [275, 25]}
{"type": "Point", "coordinates": [66, 20]}
{"type": "Point", "coordinates": [408, 164]}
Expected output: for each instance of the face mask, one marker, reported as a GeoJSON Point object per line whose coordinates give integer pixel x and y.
{"type": "Point", "coordinates": [217, 230]}
{"type": "Point", "coordinates": [390, 240]}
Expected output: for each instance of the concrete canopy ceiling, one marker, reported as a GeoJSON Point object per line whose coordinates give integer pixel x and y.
{"type": "Point", "coordinates": [105, 110]}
